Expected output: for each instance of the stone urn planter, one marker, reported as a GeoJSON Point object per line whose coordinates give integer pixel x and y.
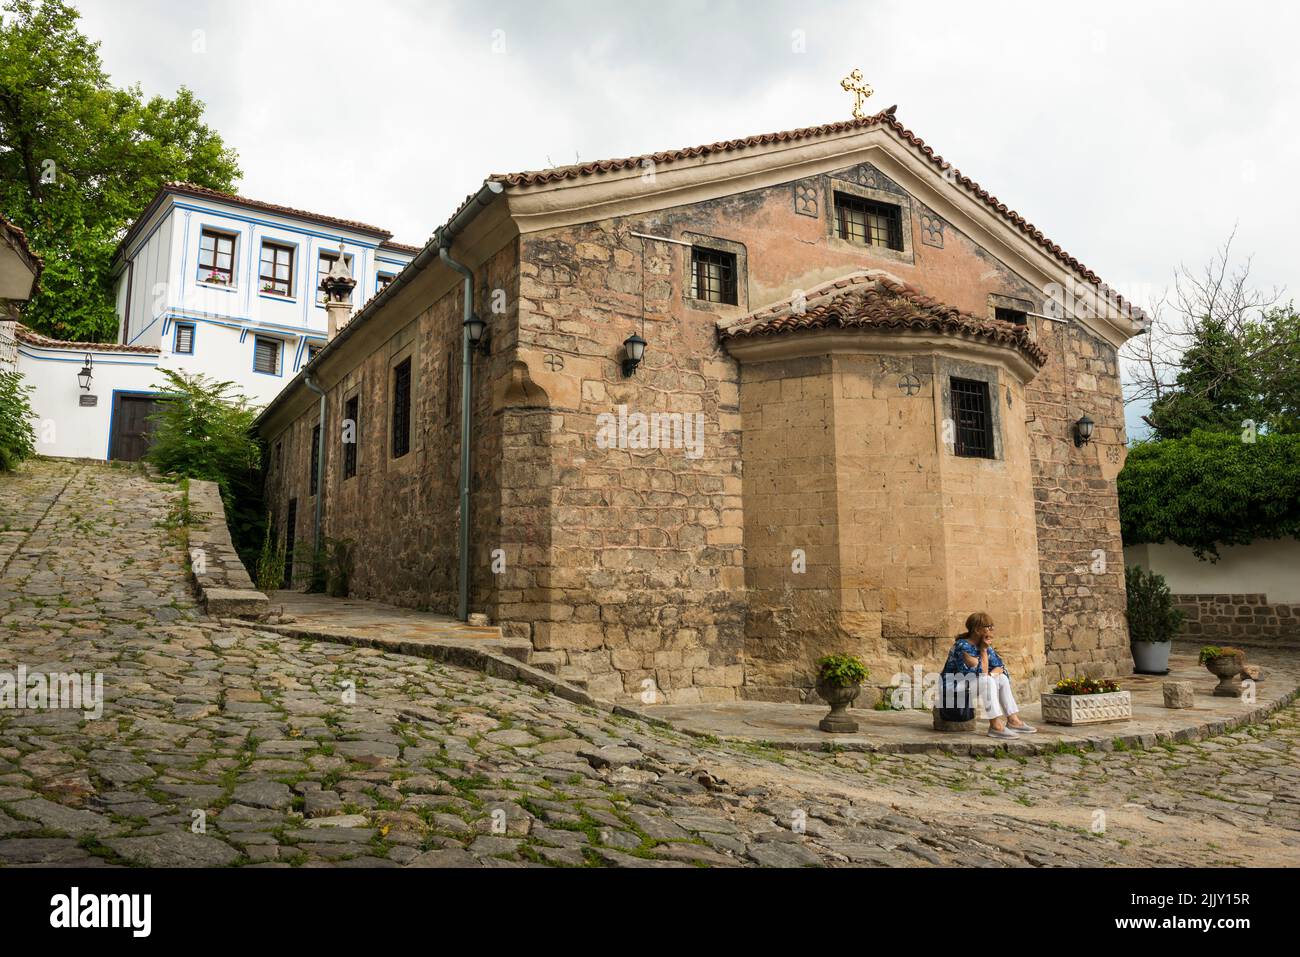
{"type": "Point", "coordinates": [1077, 701]}
{"type": "Point", "coordinates": [839, 697]}
{"type": "Point", "coordinates": [839, 682]}
{"type": "Point", "coordinates": [1151, 657]}
{"type": "Point", "coordinates": [1226, 664]}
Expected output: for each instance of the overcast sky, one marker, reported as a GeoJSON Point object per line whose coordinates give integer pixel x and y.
{"type": "Point", "coordinates": [1135, 134]}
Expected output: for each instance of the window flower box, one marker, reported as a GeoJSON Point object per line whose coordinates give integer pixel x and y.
{"type": "Point", "coordinates": [1077, 701]}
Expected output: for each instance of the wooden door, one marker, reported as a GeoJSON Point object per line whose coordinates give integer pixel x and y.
{"type": "Point", "coordinates": [131, 427]}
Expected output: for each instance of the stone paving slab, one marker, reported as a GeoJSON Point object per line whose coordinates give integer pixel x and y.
{"type": "Point", "coordinates": [423, 763]}
{"type": "Point", "coordinates": [794, 726]}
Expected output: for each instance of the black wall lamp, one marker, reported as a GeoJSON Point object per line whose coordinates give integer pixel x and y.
{"type": "Point", "coordinates": [475, 327]}
{"type": "Point", "coordinates": [84, 376]}
{"type": "Point", "coordinates": [634, 348]}
{"type": "Point", "coordinates": [1082, 431]}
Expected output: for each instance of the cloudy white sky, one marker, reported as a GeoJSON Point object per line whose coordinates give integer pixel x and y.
{"type": "Point", "coordinates": [1135, 134]}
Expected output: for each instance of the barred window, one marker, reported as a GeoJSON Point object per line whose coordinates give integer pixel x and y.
{"type": "Point", "coordinates": [973, 418]}
{"type": "Point", "coordinates": [713, 275]}
{"type": "Point", "coordinates": [350, 409]}
{"type": "Point", "coordinates": [315, 458]}
{"type": "Point", "coordinates": [290, 529]}
{"type": "Point", "coordinates": [402, 408]}
{"type": "Point", "coordinates": [868, 222]}
{"type": "Point", "coordinates": [277, 269]}
{"type": "Point", "coordinates": [184, 342]}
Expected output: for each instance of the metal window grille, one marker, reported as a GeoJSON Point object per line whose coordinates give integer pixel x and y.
{"type": "Point", "coordinates": [216, 257]}
{"type": "Point", "coordinates": [713, 275]}
{"type": "Point", "coordinates": [315, 458]}
{"type": "Point", "coordinates": [974, 420]}
{"type": "Point", "coordinates": [867, 222]}
{"type": "Point", "coordinates": [266, 356]}
{"type": "Point", "coordinates": [402, 409]}
{"type": "Point", "coordinates": [350, 409]}
{"type": "Point", "coordinates": [184, 343]}
{"type": "Point", "coordinates": [290, 528]}
{"type": "Point", "coordinates": [276, 274]}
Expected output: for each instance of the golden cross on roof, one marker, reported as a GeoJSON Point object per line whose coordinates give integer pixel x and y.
{"type": "Point", "coordinates": [853, 84]}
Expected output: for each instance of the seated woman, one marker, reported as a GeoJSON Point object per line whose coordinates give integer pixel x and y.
{"type": "Point", "coordinates": [973, 654]}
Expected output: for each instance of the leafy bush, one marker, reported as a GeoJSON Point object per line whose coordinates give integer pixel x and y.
{"type": "Point", "coordinates": [270, 562]}
{"type": "Point", "coordinates": [1086, 685]}
{"type": "Point", "coordinates": [1211, 489]}
{"type": "Point", "coordinates": [17, 440]}
{"type": "Point", "coordinates": [204, 430]}
{"type": "Point", "coordinates": [1213, 653]}
{"type": "Point", "coordinates": [1151, 612]}
{"type": "Point", "coordinates": [840, 671]}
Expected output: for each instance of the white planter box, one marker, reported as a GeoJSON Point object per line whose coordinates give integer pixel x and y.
{"type": "Point", "coordinates": [1087, 708]}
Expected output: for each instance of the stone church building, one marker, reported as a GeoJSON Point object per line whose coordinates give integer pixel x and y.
{"type": "Point", "coordinates": [870, 400]}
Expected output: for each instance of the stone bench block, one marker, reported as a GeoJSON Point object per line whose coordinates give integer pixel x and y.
{"type": "Point", "coordinates": [942, 725]}
{"type": "Point", "coordinates": [1179, 694]}
{"type": "Point", "coordinates": [235, 602]}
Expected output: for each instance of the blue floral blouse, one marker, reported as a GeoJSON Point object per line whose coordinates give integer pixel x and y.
{"type": "Point", "coordinates": [956, 664]}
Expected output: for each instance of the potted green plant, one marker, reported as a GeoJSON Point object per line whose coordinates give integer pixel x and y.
{"type": "Point", "coordinates": [1086, 700]}
{"type": "Point", "coordinates": [1153, 621]}
{"type": "Point", "coordinates": [1226, 664]}
{"type": "Point", "coordinates": [839, 681]}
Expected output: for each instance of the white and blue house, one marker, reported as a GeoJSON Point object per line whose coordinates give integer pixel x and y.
{"type": "Point", "coordinates": [206, 282]}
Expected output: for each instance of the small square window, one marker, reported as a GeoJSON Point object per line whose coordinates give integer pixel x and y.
{"type": "Point", "coordinates": [713, 275]}
{"type": "Point", "coordinates": [216, 257]}
{"type": "Point", "coordinates": [402, 408]}
{"type": "Point", "coordinates": [183, 343]}
{"type": "Point", "coordinates": [382, 280]}
{"type": "Point", "coordinates": [868, 222]}
{"type": "Point", "coordinates": [266, 355]}
{"type": "Point", "coordinates": [276, 275]}
{"type": "Point", "coordinates": [1014, 316]}
{"type": "Point", "coordinates": [324, 263]}
{"type": "Point", "coordinates": [313, 351]}
{"type": "Point", "coordinates": [973, 418]}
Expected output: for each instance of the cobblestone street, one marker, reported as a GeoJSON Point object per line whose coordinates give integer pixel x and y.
{"type": "Point", "coordinates": [255, 737]}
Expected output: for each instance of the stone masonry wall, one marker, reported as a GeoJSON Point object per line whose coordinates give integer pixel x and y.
{"type": "Point", "coordinates": [1228, 619]}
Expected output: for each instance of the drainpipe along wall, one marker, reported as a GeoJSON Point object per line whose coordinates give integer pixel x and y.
{"type": "Point", "coordinates": [466, 393]}
{"type": "Point", "coordinates": [320, 465]}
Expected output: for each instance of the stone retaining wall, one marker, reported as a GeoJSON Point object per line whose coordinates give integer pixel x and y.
{"type": "Point", "coordinates": [1236, 618]}
{"type": "Point", "coordinates": [219, 575]}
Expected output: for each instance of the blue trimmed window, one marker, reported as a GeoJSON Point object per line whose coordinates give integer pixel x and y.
{"type": "Point", "coordinates": [266, 355]}
{"type": "Point", "coordinates": [183, 339]}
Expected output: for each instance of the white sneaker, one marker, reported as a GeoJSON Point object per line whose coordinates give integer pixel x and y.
{"type": "Point", "coordinates": [1004, 733]}
{"type": "Point", "coordinates": [1023, 729]}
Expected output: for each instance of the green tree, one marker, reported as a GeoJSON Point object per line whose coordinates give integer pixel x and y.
{"type": "Point", "coordinates": [17, 440]}
{"type": "Point", "coordinates": [203, 430]}
{"type": "Point", "coordinates": [80, 159]}
{"type": "Point", "coordinates": [1217, 387]}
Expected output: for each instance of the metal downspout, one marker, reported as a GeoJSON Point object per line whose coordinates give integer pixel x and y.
{"type": "Point", "coordinates": [466, 392]}
{"type": "Point", "coordinates": [320, 466]}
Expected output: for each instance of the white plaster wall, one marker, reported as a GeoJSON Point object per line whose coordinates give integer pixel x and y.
{"type": "Point", "coordinates": [1270, 566]}
{"type": "Point", "coordinates": [63, 427]}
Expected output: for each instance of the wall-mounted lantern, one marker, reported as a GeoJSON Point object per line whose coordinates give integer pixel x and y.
{"type": "Point", "coordinates": [86, 373]}
{"type": "Point", "coordinates": [634, 348]}
{"type": "Point", "coordinates": [1082, 431]}
{"type": "Point", "coordinates": [474, 328]}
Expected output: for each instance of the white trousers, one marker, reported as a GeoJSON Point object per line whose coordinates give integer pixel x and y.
{"type": "Point", "coordinates": [996, 697]}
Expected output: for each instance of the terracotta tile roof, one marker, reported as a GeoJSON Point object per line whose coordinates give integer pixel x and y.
{"type": "Point", "coordinates": [875, 299]}
{"type": "Point", "coordinates": [400, 247]}
{"type": "Point", "coordinates": [203, 192]}
{"type": "Point", "coordinates": [26, 335]}
{"type": "Point", "coordinates": [18, 239]}
{"type": "Point", "coordinates": [884, 119]}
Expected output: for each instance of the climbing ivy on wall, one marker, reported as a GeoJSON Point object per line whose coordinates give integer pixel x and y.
{"type": "Point", "coordinates": [1209, 489]}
